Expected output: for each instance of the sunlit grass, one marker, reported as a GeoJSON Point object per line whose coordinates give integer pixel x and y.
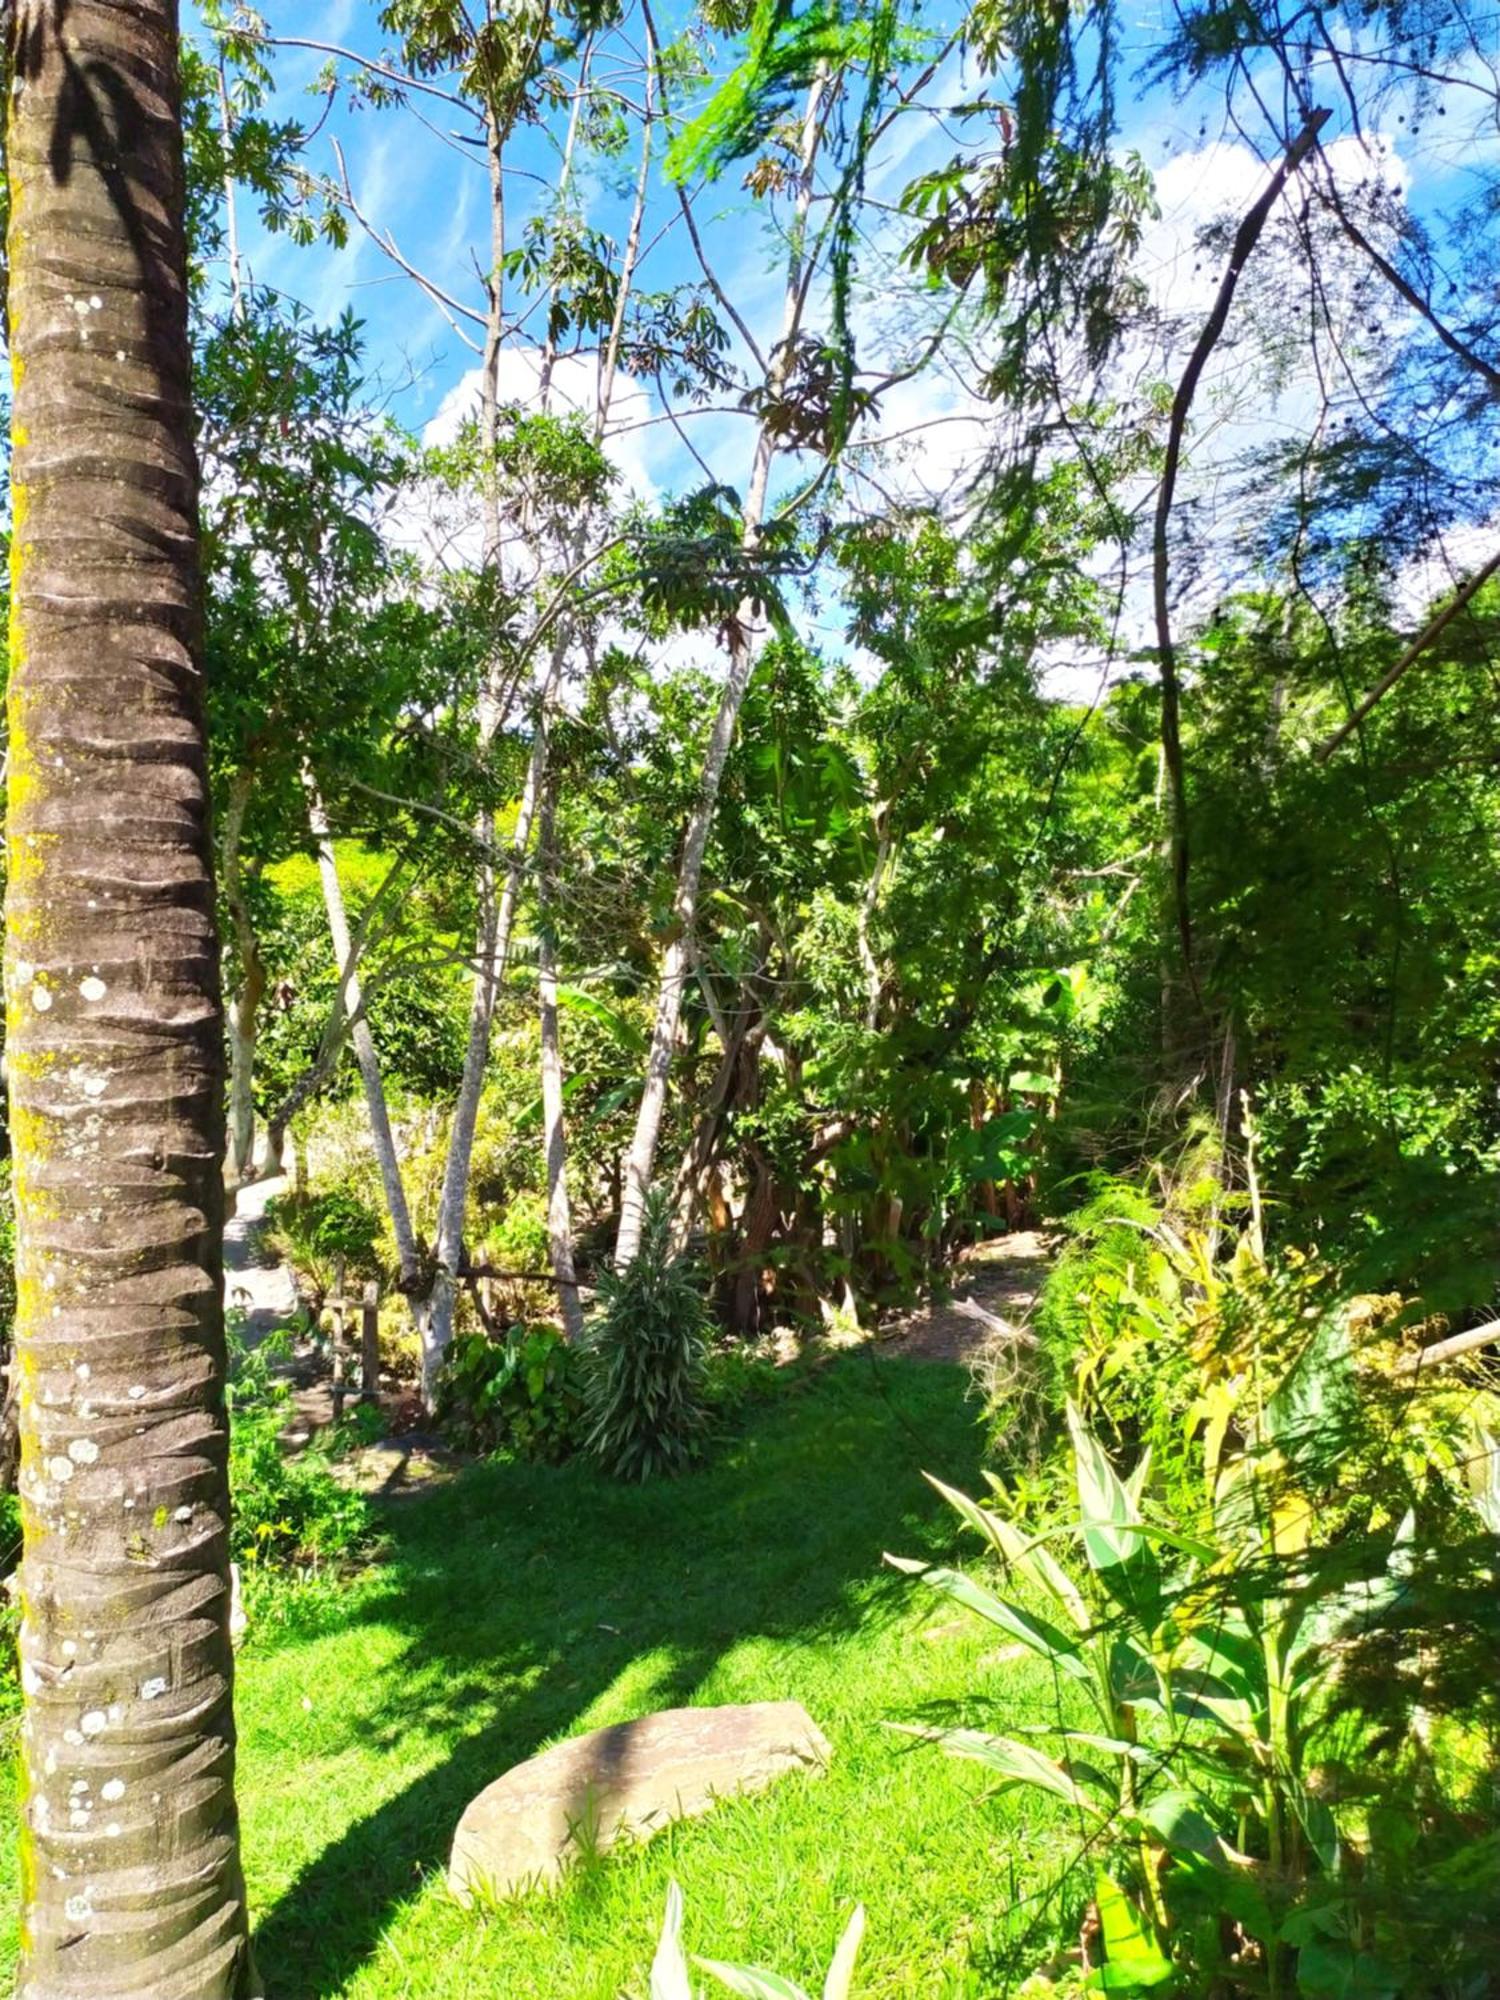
{"type": "Point", "coordinates": [524, 1604]}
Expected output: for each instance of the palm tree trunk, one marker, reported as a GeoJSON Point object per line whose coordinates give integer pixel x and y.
{"type": "Point", "coordinates": [130, 1869]}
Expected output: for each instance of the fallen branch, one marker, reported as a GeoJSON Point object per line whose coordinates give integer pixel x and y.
{"type": "Point", "coordinates": [1003, 1329]}
{"type": "Point", "coordinates": [1409, 658]}
{"type": "Point", "coordinates": [1450, 1349]}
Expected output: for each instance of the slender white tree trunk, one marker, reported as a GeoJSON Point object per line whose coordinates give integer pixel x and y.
{"type": "Point", "coordinates": [554, 1135]}
{"type": "Point", "coordinates": [677, 966]}
{"type": "Point", "coordinates": [381, 1136]}
{"type": "Point", "coordinates": [496, 926]}
{"type": "Point", "coordinates": [435, 1314]}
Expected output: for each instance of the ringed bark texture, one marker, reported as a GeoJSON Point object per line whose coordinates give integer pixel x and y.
{"type": "Point", "coordinates": [131, 1880]}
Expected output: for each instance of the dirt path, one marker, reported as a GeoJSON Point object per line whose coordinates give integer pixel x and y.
{"type": "Point", "coordinates": [1001, 1278]}
{"type": "Point", "coordinates": [255, 1283]}
{"type": "Point", "coordinates": [260, 1286]}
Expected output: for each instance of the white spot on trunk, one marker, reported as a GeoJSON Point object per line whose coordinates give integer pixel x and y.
{"type": "Point", "coordinates": [183, 1514]}
{"type": "Point", "coordinates": [155, 1686]}
{"type": "Point", "coordinates": [83, 1371]}
{"type": "Point", "coordinates": [92, 988]}
{"type": "Point", "coordinates": [77, 1908]}
{"type": "Point", "coordinates": [60, 1469]}
{"type": "Point", "coordinates": [113, 1829]}
{"type": "Point", "coordinates": [83, 1451]}
{"type": "Point", "coordinates": [137, 1390]}
{"type": "Point", "coordinates": [94, 1722]}
{"type": "Point", "coordinates": [41, 999]}
{"type": "Point", "coordinates": [112, 1789]}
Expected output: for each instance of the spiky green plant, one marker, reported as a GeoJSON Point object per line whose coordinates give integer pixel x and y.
{"type": "Point", "coordinates": [670, 1979]}
{"type": "Point", "coordinates": [645, 1390]}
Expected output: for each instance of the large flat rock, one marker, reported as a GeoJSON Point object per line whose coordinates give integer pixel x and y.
{"type": "Point", "coordinates": [627, 1781]}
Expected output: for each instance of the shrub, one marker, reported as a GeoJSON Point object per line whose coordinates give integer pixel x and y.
{"type": "Point", "coordinates": [646, 1351]}
{"type": "Point", "coordinates": [313, 1231]}
{"type": "Point", "coordinates": [1278, 1665]}
{"type": "Point", "coordinates": [1107, 1236]}
{"type": "Point", "coordinates": [285, 1509]}
{"type": "Point", "coordinates": [522, 1394]}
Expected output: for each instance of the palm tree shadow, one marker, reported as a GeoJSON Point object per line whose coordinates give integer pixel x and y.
{"type": "Point", "coordinates": [524, 1595]}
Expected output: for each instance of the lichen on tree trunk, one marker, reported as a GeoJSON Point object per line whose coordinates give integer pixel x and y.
{"type": "Point", "coordinates": [131, 1879]}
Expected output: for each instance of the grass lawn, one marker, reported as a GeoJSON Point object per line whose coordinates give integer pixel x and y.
{"type": "Point", "coordinates": [524, 1604]}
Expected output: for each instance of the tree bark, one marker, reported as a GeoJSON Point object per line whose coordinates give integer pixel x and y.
{"type": "Point", "coordinates": [365, 1054]}
{"type": "Point", "coordinates": [436, 1313]}
{"type": "Point", "coordinates": [130, 1874]}
{"type": "Point", "coordinates": [496, 925]}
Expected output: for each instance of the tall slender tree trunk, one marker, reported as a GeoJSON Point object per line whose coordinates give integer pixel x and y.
{"type": "Point", "coordinates": [497, 915]}
{"type": "Point", "coordinates": [677, 966]}
{"type": "Point", "coordinates": [381, 1136]}
{"type": "Point", "coordinates": [435, 1317]}
{"type": "Point", "coordinates": [554, 1134]}
{"type": "Point", "coordinates": [559, 1215]}
{"type": "Point", "coordinates": [496, 924]}
{"type": "Point", "coordinates": [130, 1876]}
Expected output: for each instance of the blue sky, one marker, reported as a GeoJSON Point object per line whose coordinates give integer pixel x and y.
{"type": "Point", "coordinates": [426, 187]}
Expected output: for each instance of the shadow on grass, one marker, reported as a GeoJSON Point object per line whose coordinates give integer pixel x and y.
{"type": "Point", "coordinates": [523, 1594]}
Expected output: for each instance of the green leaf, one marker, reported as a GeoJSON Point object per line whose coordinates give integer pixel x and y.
{"type": "Point", "coordinates": [1318, 1824]}
{"type": "Point", "coordinates": [1133, 1677]}
{"type": "Point", "coordinates": [1181, 1824]}
{"type": "Point", "coordinates": [751, 1981]}
{"type": "Point", "coordinates": [1038, 1634]}
{"type": "Point", "coordinates": [669, 1973]}
{"type": "Point", "coordinates": [1105, 1503]}
{"type": "Point", "coordinates": [1036, 1563]}
{"type": "Point", "coordinates": [627, 1033]}
{"type": "Point", "coordinates": [1113, 1538]}
{"type": "Point", "coordinates": [841, 1973]}
{"type": "Point", "coordinates": [1133, 1957]}
{"type": "Point", "coordinates": [1016, 1762]}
